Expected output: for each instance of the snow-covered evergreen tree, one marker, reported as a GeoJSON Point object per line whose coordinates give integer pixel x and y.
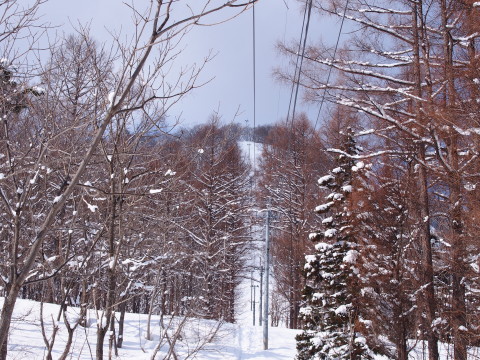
{"type": "Point", "coordinates": [290, 167]}
{"type": "Point", "coordinates": [330, 313]}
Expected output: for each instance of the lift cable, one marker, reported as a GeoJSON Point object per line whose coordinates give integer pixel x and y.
{"type": "Point", "coordinates": [302, 57]}
{"type": "Point", "coordinates": [331, 64]}
{"type": "Point", "coordinates": [254, 88]}
{"type": "Point", "coordinates": [296, 65]}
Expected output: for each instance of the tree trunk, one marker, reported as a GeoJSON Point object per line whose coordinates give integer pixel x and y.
{"type": "Point", "coordinates": [427, 296]}
{"type": "Point", "coordinates": [459, 318]}
{"type": "Point", "coordinates": [458, 270]}
{"type": "Point", "coordinates": [428, 299]}
{"type": "Point", "coordinates": [6, 318]}
{"type": "Point", "coordinates": [108, 315]}
{"type": "Point", "coordinates": [68, 345]}
{"type": "Point", "coordinates": [71, 330]}
{"type": "Point", "coordinates": [101, 332]}
{"type": "Point", "coordinates": [402, 345]}
{"type": "Point", "coordinates": [121, 323]}
{"type": "Point", "coordinates": [112, 341]}
{"type": "Point", "coordinates": [148, 336]}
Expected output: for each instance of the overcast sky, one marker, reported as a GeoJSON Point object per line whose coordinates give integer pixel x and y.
{"type": "Point", "coordinates": [232, 67]}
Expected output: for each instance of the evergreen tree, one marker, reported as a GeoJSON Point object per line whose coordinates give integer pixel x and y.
{"type": "Point", "coordinates": [290, 167]}
{"type": "Point", "coordinates": [330, 313]}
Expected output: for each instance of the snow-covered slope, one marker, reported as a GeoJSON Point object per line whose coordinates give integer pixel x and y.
{"type": "Point", "coordinates": [232, 341]}
{"type": "Point", "coordinates": [251, 151]}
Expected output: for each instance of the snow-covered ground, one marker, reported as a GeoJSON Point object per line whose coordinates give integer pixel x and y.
{"type": "Point", "coordinates": [232, 341]}
{"type": "Point", "coordinates": [251, 151]}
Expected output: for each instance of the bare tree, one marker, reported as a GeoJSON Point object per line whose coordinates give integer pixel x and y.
{"type": "Point", "coordinates": [140, 80]}
{"type": "Point", "coordinates": [213, 218]}
{"type": "Point", "coordinates": [292, 161]}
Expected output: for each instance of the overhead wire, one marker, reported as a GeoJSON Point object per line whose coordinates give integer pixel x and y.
{"type": "Point", "coordinates": [331, 64]}
{"type": "Point", "coordinates": [283, 61]}
{"type": "Point", "coordinates": [297, 67]}
{"type": "Point", "coordinates": [298, 72]}
{"type": "Point", "coordinates": [254, 87]}
{"type": "Point", "coordinates": [310, 3]}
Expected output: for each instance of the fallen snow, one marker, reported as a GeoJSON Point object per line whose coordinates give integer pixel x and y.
{"type": "Point", "coordinates": [325, 179]}
{"type": "Point", "coordinates": [324, 207]}
{"type": "Point", "coordinates": [110, 99]}
{"type": "Point", "coordinates": [252, 152]}
{"type": "Point", "coordinates": [327, 220]}
{"type": "Point", "coordinates": [359, 165]}
{"type": "Point", "coordinates": [155, 191]}
{"type": "Point", "coordinates": [91, 207]}
{"type": "Point", "coordinates": [329, 233]}
{"type": "Point", "coordinates": [233, 341]}
{"type": "Point", "coordinates": [351, 257]}
{"type": "Point", "coordinates": [38, 90]}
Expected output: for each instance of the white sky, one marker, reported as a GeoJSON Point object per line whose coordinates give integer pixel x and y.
{"type": "Point", "coordinates": [231, 69]}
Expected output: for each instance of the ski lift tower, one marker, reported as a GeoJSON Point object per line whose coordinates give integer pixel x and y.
{"type": "Point", "coordinates": [266, 278]}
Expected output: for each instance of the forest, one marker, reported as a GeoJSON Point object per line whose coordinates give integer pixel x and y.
{"type": "Point", "coordinates": [108, 205]}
